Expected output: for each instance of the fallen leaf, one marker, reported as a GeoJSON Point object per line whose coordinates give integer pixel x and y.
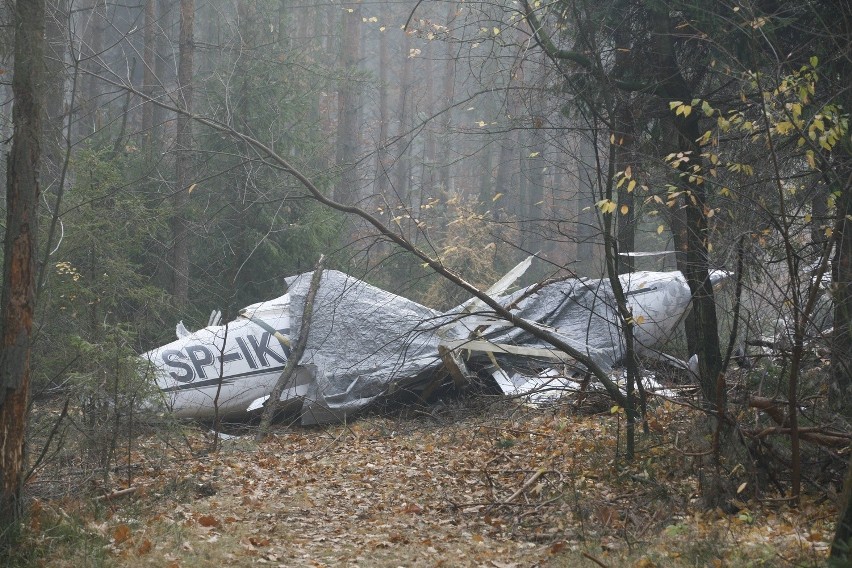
{"type": "Point", "coordinates": [209, 521]}
{"type": "Point", "coordinates": [121, 534]}
{"type": "Point", "coordinates": [144, 548]}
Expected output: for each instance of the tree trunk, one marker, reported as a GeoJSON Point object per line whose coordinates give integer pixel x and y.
{"type": "Point", "coordinates": [447, 99]}
{"type": "Point", "coordinates": [346, 190]}
{"type": "Point", "coordinates": [841, 340]}
{"type": "Point", "coordinates": [162, 43]}
{"type": "Point", "coordinates": [91, 52]}
{"type": "Point", "coordinates": [402, 165]}
{"type": "Point", "coordinates": [183, 160]}
{"type": "Point", "coordinates": [625, 226]}
{"type": "Point", "coordinates": [18, 294]}
{"type": "Point", "coordinates": [149, 55]}
{"type": "Point", "coordinates": [588, 231]}
{"type": "Point", "coordinates": [841, 547]}
{"type": "Point", "coordinates": [56, 25]}
{"type": "Point", "coordinates": [696, 271]}
{"type": "Point", "coordinates": [382, 164]}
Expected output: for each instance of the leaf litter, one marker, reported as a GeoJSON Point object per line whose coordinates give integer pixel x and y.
{"type": "Point", "coordinates": [510, 485]}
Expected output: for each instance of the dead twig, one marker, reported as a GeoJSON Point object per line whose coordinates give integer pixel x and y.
{"type": "Point", "coordinates": [595, 560]}
{"type": "Point", "coordinates": [526, 484]}
{"type": "Point", "coordinates": [116, 494]}
{"type": "Point", "coordinates": [815, 435]}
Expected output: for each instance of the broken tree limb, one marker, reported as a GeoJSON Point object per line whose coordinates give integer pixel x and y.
{"type": "Point", "coordinates": [816, 435]}
{"type": "Point", "coordinates": [116, 494]}
{"type": "Point", "coordinates": [527, 484]}
{"type": "Point", "coordinates": [277, 161]}
{"type": "Point", "coordinates": [293, 361]}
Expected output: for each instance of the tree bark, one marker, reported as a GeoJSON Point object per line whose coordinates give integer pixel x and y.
{"type": "Point", "coordinates": [403, 165]}
{"type": "Point", "coordinates": [841, 340]}
{"type": "Point", "coordinates": [149, 56]}
{"type": "Point", "coordinates": [161, 46]}
{"type": "Point", "coordinates": [91, 52]}
{"type": "Point", "coordinates": [447, 99]}
{"type": "Point", "coordinates": [183, 160]}
{"type": "Point", "coordinates": [841, 546]}
{"type": "Point", "coordinates": [56, 24]}
{"type": "Point", "coordinates": [18, 294]}
{"type": "Point", "coordinates": [347, 107]}
{"type": "Point", "coordinates": [382, 158]}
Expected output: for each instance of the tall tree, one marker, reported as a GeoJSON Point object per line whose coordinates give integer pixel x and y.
{"type": "Point", "coordinates": [149, 56]}
{"type": "Point", "coordinates": [94, 17]}
{"type": "Point", "coordinates": [347, 105]}
{"type": "Point", "coordinates": [18, 294]}
{"type": "Point", "coordinates": [183, 159]}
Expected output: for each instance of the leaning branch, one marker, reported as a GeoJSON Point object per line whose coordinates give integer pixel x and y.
{"type": "Point", "coordinates": [279, 162]}
{"type": "Point", "coordinates": [295, 356]}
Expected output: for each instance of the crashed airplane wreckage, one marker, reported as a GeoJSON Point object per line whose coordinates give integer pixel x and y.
{"type": "Point", "coordinates": [365, 343]}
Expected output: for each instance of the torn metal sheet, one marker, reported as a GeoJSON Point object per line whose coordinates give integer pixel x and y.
{"type": "Point", "coordinates": [365, 343]}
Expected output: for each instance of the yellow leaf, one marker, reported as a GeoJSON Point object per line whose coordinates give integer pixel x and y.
{"type": "Point", "coordinates": [796, 109]}
{"type": "Point", "coordinates": [660, 229]}
{"type": "Point", "coordinates": [742, 487]}
{"type": "Point", "coordinates": [612, 139]}
{"type": "Point", "coordinates": [828, 232]}
{"type": "Point", "coordinates": [708, 110]}
{"type": "Point", "coordinates": [614, 409]}
{"type": "Point", "coordinates": [496, 197]}
{"type": "Point", "coordinates": [631, 186]}
{"type": "Point", "coordinates": [808, 218]}
{"type": "Point", "coordinates": [674, 104]}
{"type": "Point", "coordinates": [784, 127]}
{"type": "Point", "coordinates": [814, 61]}
{"type": "Point", "coordinates": [534, 154]}
{"type": "Point", "coordinates": [640, 320]}
{"type": "Point", "coordinates": [191, 188]}
{"type": "Point", "coordinates": [809, 155]}
{"type": "Point", "coordinates": [625, 209]}
{"type": "Point", "coordinates": [606, 205]}
{"type": "Point", "coordinates": [496, 31]}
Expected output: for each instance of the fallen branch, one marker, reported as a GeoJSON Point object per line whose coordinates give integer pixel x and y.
{"type": "Point", "coordinates": [293, 361]}
{"type": "Point", "coordinates": [116, 494]}
{"type": "Point", "coordinates": [815, 435]}
{"type": "Point", "coordinates": [526, 485]}
{"type": "Point", "coordinates": [595, 560]}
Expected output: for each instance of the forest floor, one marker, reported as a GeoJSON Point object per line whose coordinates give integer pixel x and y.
{"type": "Point", "coordinates": [500, 485]}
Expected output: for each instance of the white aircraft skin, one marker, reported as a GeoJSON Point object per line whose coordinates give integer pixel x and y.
{"type": "Point", "coordinates": [236, 363]}
{"type": "Point", "coordinates": [230, 369]}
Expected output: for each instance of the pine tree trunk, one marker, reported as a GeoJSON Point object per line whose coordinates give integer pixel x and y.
{"type": "Point", "coordinates": [149, 56]}
{"type": "Point", "coordinates": [18, 294]}
{"type": "Point", "coordinates": [346, 190]}
{"type": "Point", "coordinates": [183, 160]}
